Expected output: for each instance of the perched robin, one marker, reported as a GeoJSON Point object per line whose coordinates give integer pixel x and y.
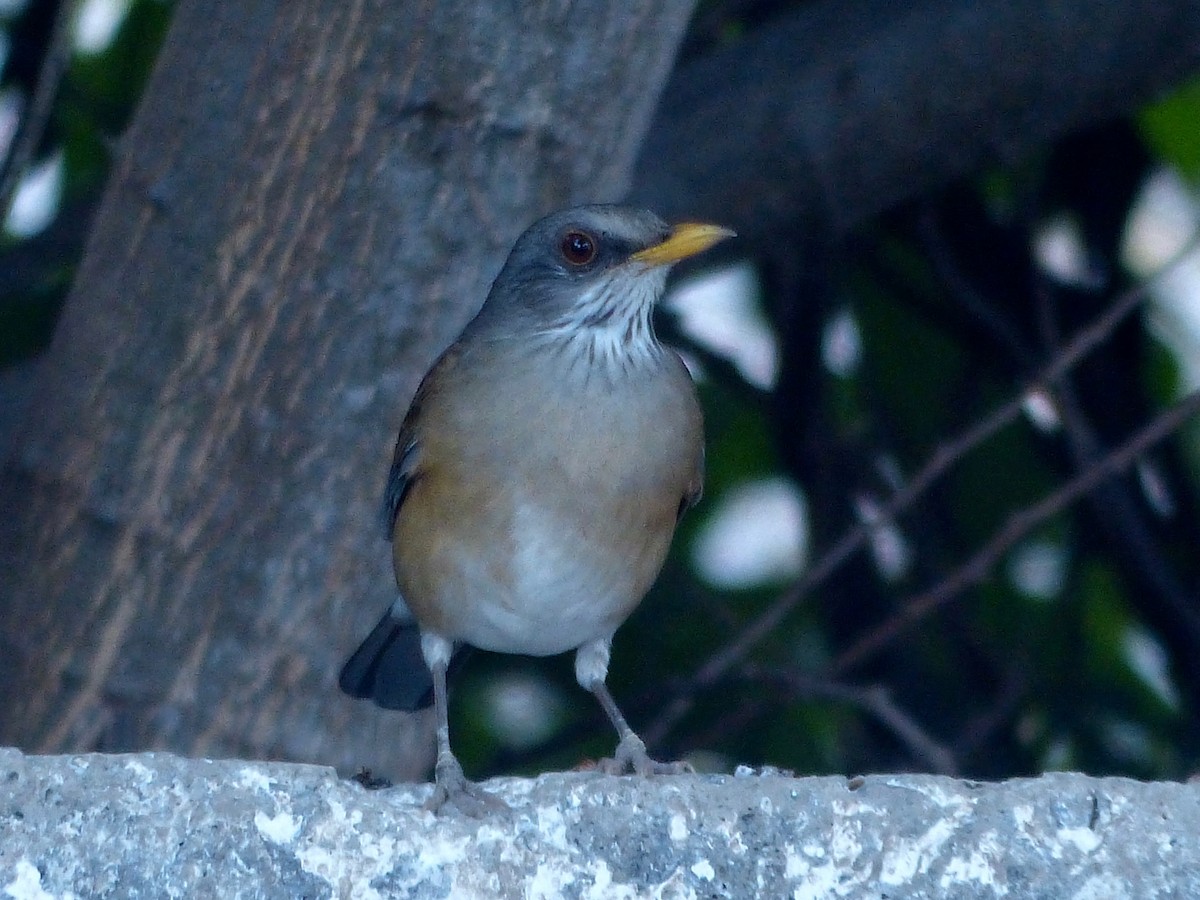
{"type": "Point", "coordinates": [539, 473]}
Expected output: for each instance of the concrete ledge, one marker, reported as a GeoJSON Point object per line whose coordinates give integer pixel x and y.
{"type": "Point", "coordinates": [156, 825]}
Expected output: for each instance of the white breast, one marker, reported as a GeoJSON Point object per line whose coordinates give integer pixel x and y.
{"type": "Point", "coordinates": [554, 596]}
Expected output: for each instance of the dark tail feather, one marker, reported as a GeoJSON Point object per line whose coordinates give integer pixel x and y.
{"type": "Point", "coordinates": [388, 668]}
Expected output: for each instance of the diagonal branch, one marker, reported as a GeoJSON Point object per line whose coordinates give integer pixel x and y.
{"type": "Point", "coordinates": [975, 569]}
{"type": "Point", "coordinates": [938, 464]}
{"type": "Point", "coordinates": [875, 700]}
{"type": "Point", "coordinates": [37, 114]}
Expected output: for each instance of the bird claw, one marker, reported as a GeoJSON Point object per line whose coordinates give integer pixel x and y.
{"type": "Point", "coordinates": [453, 789]}
{"type": "Point", "coordinates": [631, 758]}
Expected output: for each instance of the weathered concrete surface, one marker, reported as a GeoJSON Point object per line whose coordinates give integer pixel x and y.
{"type": "Point", "coordinates": [154, 825]}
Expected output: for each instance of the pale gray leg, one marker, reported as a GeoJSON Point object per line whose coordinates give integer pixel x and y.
{"type": "Point", "coordinates": [591, 668]}
{"type": "Point", "coordinates": [451, 786]}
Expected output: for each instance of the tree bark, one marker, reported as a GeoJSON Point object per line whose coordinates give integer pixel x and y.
{"type": "Point", "coordinates": [310, 203]}
{"type": "Point", "coordinates": [837, 111]}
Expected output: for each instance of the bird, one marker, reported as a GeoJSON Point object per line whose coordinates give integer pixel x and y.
{"type": "Point", "coordinates": [539, 474]}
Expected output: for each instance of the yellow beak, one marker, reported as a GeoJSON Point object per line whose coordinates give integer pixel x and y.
{"type": "Point", "coordinates": [686, 240]}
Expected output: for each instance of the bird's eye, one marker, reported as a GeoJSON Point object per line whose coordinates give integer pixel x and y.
{"type": "Point", "coordinates": [578, 248]}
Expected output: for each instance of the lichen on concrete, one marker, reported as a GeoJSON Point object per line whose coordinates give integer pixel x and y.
{"type": "Point", "coordinates": [157, 825]}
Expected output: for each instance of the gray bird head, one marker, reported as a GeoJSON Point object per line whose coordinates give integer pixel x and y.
{"type": "Point", "coordinates": [592, 272]}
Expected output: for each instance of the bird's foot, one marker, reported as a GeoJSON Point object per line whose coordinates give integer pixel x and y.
{"type": "Point", "coordinates": [452, 789]}
{"type": "Point", "coordinates": [631, 758]}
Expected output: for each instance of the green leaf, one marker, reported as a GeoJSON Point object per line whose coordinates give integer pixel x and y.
{"type": "Point", "coordinates": [1170, 127]}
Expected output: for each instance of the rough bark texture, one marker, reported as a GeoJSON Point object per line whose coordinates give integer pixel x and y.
{"type": "Point", "coordinates": [839, 110]}
{"type": "Point", "coordinates": [311, 201]}
{"type": "Point", "coordinates": [162, 826]}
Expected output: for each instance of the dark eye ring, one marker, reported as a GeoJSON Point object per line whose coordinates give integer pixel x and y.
{"type": "Point", "coordinates": [578, 248]}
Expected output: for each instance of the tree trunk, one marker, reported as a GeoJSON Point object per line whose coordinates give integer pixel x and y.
{"type": "Point", "coordinates": [845, 108]}
{"type": "Point", "coordinates": [310, 203]}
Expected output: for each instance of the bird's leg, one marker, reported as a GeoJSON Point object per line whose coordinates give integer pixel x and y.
{"type": "Point", "coordinates": [591, 668]}
{"type": "Point", "coordinates": [451, 787]}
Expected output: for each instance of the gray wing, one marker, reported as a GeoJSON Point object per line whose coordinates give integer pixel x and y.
{"type": "Point", "coordinates": [400, 478]}
{"type": "Point", "coordinates": [694, 490]}
{"type": "Point", "coordinates": [405, 458]}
